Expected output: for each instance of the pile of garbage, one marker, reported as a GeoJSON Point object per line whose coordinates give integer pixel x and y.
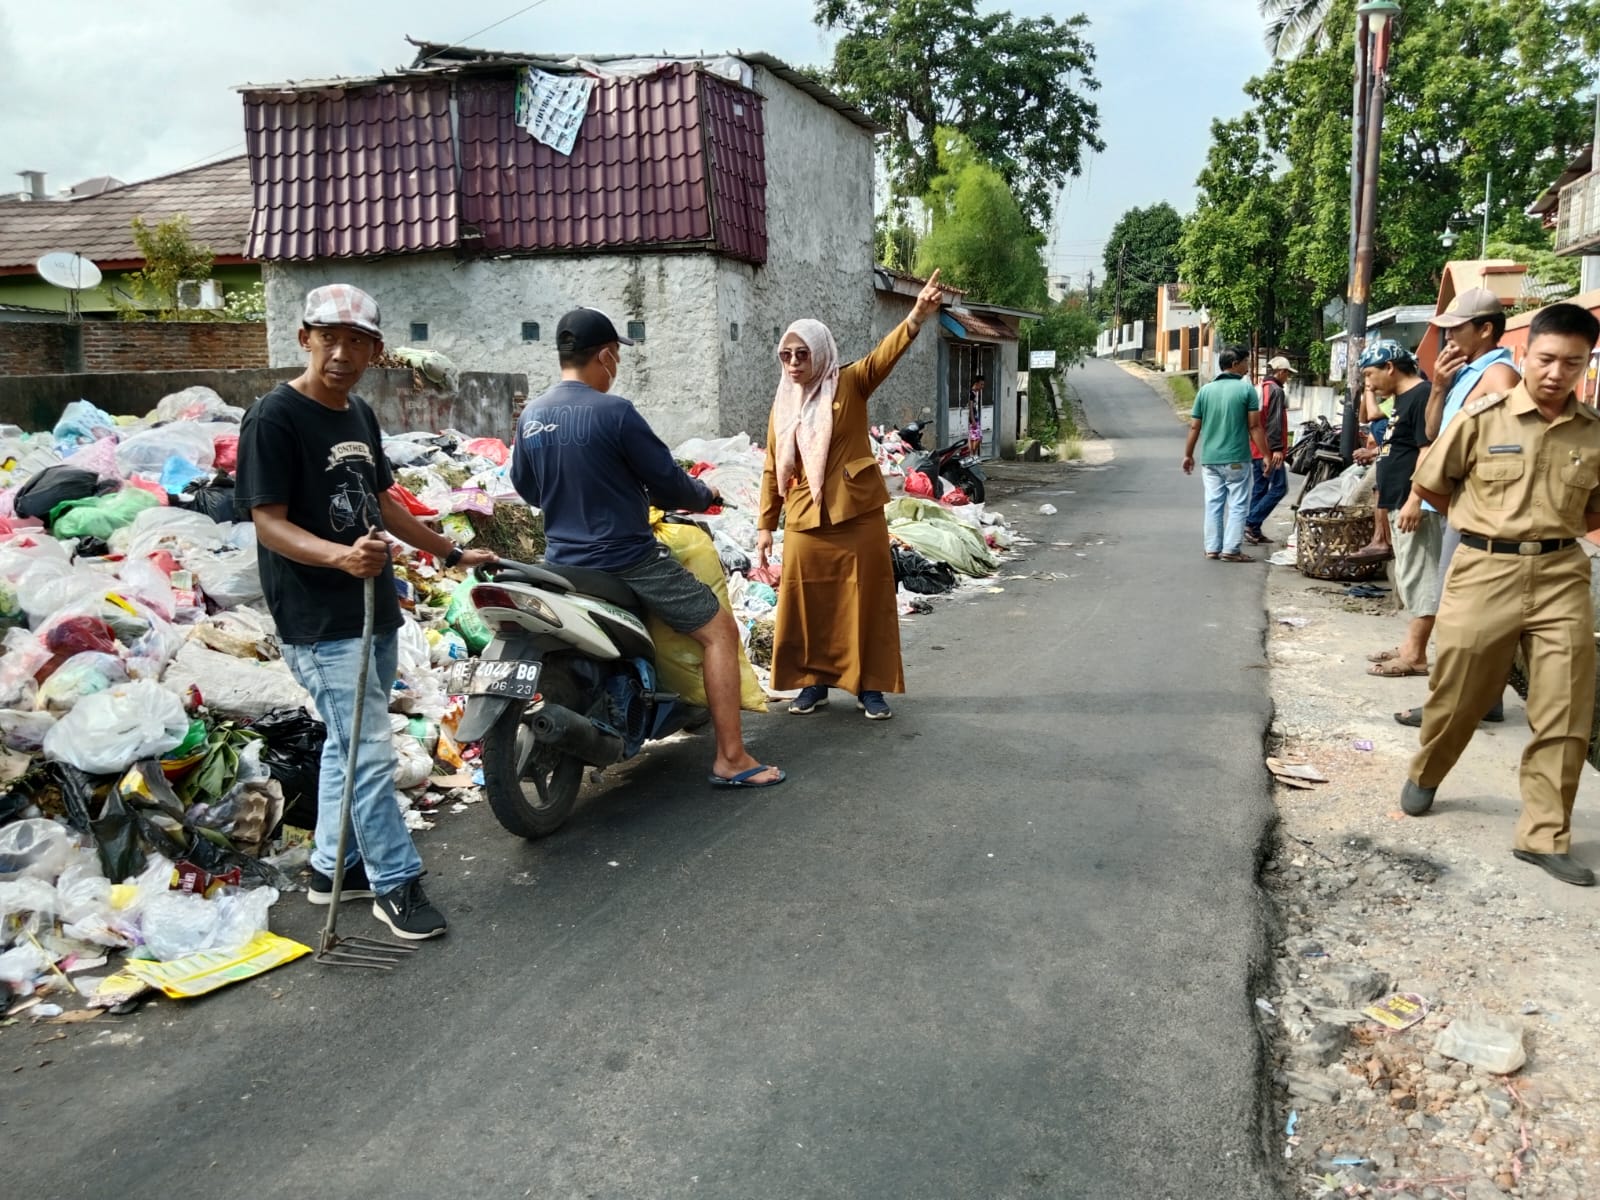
{"type": "Point", "coordinates": [936, 546]}
{"type": "Point", "coordinates": [147, 717]}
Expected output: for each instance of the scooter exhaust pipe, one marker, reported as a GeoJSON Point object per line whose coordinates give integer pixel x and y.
{"type": "Point", "coordinates": [572, 734]}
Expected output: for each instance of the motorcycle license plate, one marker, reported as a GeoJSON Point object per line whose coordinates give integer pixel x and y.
{"type": "Point", "coordinates": [517, 680]}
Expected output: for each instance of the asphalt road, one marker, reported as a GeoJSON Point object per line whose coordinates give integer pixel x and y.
{"type": "Point", "coordinates": [998, 947]}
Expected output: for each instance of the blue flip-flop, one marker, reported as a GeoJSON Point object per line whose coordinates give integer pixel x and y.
{"type": "Point", "coordinates": [743, 779]}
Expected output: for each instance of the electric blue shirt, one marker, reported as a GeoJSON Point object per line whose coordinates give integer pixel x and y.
{"type": "Point", "coordinates": [594, 466]}
{"type": "Point", "coordinates": [1461, 387]}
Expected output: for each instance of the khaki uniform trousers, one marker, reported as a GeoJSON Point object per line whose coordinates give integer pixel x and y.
{"type": "Point", "coordinates": [1493, 603]}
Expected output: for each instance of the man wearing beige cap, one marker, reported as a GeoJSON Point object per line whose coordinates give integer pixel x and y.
{"type": "Point", "coordinates": [1271, 481]}
{"type": "Point", "coordinates": [313, 478]}
{"type": "Point", "coordinates": [1471, 365]}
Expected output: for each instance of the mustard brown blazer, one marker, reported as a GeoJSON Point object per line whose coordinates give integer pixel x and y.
{"type": "Point", "coordinates": [853, 485]}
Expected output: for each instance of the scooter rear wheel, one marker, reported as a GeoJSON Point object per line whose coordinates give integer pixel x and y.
{"type": "Point", "coordinates": [537, 801]}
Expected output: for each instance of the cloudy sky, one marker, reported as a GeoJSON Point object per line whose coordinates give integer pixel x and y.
{"type": "Point", "coordinates": [135, 88]}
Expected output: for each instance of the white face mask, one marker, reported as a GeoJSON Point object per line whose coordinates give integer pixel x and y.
{"type": "Point", "coordinates": [611, 371]}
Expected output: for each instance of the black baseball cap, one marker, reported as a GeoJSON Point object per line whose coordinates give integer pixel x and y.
{"type": "Point", "coordinates": [587, 329]}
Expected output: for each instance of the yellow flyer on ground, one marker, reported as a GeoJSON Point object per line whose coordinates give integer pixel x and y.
{"type": "Point", "coordinates": [1399, 1011]}
{"type": "Point", "coordinates": [197, 974]}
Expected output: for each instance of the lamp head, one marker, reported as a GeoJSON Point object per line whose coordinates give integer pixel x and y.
{"type": "Point", "coordinates": [1378, 14]}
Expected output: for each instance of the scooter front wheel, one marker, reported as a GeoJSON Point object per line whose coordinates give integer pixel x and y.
{"type": "Point", "coordinates": [536, 800]}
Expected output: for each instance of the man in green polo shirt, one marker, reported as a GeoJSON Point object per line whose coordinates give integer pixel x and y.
{"type": "Point", "coordinates": [1225, 420]}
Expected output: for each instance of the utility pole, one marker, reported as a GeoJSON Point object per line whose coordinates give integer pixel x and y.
{"type": "Point", "coordinates": [1116, 308]}
{"type": "Point", "coordinates": [1379, 15]}
{"type": "Point", "coordinates": [1089, 294]}
{"type": "Point", "coordinates": [1483, 247]}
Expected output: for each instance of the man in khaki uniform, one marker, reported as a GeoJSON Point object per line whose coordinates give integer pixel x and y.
{"type": "Point", "coordinates": [1519, 475]}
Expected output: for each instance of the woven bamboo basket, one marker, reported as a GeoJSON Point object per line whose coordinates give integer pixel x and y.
{"type": "Point", "coordinates": [1325, 539]}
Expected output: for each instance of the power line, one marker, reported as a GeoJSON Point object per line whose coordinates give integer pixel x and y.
{"type": "Point", "coordinates": [461, 43]}
{"type": "Point", "coordinates": [207, 158]}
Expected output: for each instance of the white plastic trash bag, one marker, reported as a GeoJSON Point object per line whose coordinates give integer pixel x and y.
{"type": "Point", "coordinates": [147, 452]}
{"type": "Point", "coordinates": [108, 731]}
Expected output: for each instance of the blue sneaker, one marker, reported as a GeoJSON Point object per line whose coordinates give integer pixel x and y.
{"type": "Point", "coordinates": [809, 700]}
{"type": "Point", "coordinates": [874, 705]}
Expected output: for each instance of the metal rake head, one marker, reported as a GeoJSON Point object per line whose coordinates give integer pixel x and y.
{"type": "Point", "coordinates": [372, 953]}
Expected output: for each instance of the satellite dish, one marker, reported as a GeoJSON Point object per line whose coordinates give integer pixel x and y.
{"type": "Point", "coordinates": [68, 270]}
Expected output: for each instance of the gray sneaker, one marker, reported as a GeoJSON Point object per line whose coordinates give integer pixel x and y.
{"type": "Point", "coordinates": [809, 700]}
{"type": "Point", "coordinates": [1416, 799]}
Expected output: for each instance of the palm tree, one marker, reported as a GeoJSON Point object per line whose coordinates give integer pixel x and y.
{"type": "Point", "coordinates": [1293, 25]}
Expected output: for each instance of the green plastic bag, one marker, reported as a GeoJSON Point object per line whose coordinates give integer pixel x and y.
{"type": "Point", "coordinates": [99, 516]}
{"type": "Point", "coordinates": [464, 619]}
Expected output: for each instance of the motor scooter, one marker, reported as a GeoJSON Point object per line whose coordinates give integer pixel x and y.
{"type": "Point", "coordinates": [952, 464]}
{"type": "Point", "coordinates": [568, 680]}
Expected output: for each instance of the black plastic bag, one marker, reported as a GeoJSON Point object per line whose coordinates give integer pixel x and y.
{"type": "Point", "coordinates": [922, 575]}
{"type": "Point", "coordinates": [116, 836]}
{"type": "Point", "coordinates": [211, 496]}
{"type": "Point", "coordinates": [294, 758]}
{"type": "Point", "coordinates": [53, 486]}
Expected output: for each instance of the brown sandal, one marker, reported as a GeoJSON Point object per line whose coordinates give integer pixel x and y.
{"type": "Point", "coordinates": [1236, 556]}
{"type": "Point", "coordinates": [1396, 668]}
{"type": "Point", "coordinates": [1383, 656]}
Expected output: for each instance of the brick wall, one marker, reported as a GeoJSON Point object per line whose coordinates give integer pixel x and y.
{"type": "Point", "coordinates": [32, 348]}
{"type": "Point", "coordinates": [29, 348]}
{"type": "Point", "coordinates": [173, 346]}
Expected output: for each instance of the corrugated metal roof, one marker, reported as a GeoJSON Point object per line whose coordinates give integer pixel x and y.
{"type": "Point", "coordinates": [352, 172]}
{"type": "Point", "coordinates": [969, 326]}
{"type": "Point", "coordinates": [215, 198]}
{"type": "Point", "coordinates": [636, 176]}
{"type": "Point", "coordinates": [735, 137]}
{"type": "Point", "coordinates": [670, 159]}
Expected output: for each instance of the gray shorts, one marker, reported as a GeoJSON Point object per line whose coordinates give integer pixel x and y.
{"type": "Point", "coordinates": [671, 592]}
{"type": "Point", "coordinates": [1416, 565]}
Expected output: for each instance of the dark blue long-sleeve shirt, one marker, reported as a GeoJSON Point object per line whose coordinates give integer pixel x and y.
{"type": "Point", "coordinates": [594, 466]}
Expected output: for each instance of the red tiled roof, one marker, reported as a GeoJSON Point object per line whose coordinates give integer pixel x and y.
{"type": "Point", "coordinates": [215, 198]}
{"type": "Point", "coordinates": [670, 159]}
{"type": "Point", "coordinates": [351, 173]}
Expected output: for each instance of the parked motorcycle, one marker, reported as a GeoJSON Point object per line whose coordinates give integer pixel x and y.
{"type": "Point", "coordinates": [1315, 455]}
{"type": "Point", "coordinates": [952, 464]}
{"type": "Point", "coordinates": [568, 680]}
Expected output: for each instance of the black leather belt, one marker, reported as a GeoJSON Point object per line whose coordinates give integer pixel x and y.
{"type": "Point", "coordinates": [1549, 545]}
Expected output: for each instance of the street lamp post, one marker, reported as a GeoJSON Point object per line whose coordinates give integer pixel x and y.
{"type": "Point", "coordinates": [1377, 15]}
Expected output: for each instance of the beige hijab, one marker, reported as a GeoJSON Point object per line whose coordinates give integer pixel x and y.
{"type": "Point", "coordinates": [802, 416]}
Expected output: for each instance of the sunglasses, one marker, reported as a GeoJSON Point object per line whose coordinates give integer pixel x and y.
{"type": "Point", "coordinates": [789, 356]}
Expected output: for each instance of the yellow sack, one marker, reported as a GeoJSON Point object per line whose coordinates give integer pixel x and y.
{"type": "Point", "coordinates": [678, 656]}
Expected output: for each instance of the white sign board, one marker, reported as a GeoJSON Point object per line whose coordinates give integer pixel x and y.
{"type": "Point", "coordinates": [1041, 360]}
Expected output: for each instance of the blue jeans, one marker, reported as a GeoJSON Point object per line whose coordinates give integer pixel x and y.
{"type": "Point", "coordinates": [1227, 499]}
{"type": "Point", "coordinates": [380, 838]}
{"type": "Point", "coordinates": [1267, 491]}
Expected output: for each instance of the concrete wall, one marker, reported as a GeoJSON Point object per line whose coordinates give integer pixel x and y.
{"type": "Point", "coordinates": [912, 392]}
{"type": "Point", "coordinates": [31, 348]}
{"type": "Point", "coordinates": [819, 251]}
{"type": "Point", "coordinates": [481, 407]}
{"type": "Point", "coordinates": [475, 310]}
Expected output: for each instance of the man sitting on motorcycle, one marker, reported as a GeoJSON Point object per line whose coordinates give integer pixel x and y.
{"type": "Point", "coordinates": [594, 466]}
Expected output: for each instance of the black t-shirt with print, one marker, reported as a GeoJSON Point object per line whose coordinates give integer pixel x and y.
{"type": "Point", "coordinates": [327, 465]}
{"type": "Point", "coordinates": [1407, 435]}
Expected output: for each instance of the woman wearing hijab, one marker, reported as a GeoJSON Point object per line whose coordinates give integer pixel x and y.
{"type": "Point", "coordinates": [837, 623]}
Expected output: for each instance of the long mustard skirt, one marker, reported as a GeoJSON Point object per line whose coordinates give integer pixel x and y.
{"type": "Point", "coordinates": [837, 618]}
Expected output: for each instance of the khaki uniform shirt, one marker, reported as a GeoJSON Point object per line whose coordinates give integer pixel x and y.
{"type": "Point", "coordinates": [852, 485]}
{"type": "Point", "coordinates": [1511, 474]}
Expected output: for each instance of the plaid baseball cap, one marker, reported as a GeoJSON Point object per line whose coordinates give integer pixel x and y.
{"type": "Point", "coordinates": [1474, 304]}
{"type": "Point", "coordinates": [1382, 352]}
{"type": "Point", "coordinates": [587, 329]}
{"type": "Point", "coordinates": [342, 304]}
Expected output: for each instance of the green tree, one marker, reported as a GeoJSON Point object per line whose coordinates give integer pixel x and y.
{"type": "Point", "coordinates": [1143, 246]}
{"type": "Point", "coordinates": [979, 238]}
{"type": "Point", "coordinates": [1294, 25]}
{"type": "Point", "coordinates": [1474, 86]}
{"type": "Point", "coordinates": [170, 257]}
{"type": "Point", "coordinates": [1017, 87]}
